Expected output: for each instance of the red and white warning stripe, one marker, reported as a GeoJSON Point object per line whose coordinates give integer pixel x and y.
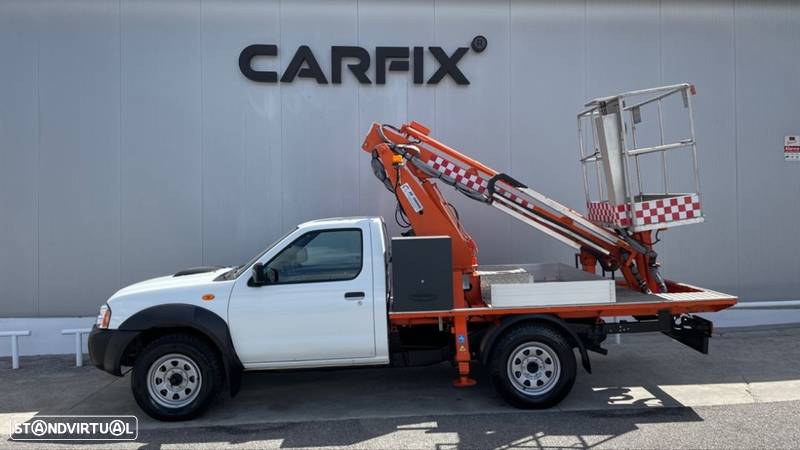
{"type": "Point", "coordinates": [608, 214]}
{"type": "Point", "coordinates": [651, 212]}
{"type": "Point", "coordinates": [471, 181]}
{"type": "Point", "coordinates": [458, 174]}
{"type": "Point", "coordinates": [666, 210]}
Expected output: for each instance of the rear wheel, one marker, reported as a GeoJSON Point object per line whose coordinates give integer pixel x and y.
{"type": "Point", "coordinates": [176, 377]}
{"type": "Point", "coordinates": [532, 366]}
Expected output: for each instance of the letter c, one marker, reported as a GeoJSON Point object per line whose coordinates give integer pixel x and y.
{"type": "Point", "coordinates": [246, 59]}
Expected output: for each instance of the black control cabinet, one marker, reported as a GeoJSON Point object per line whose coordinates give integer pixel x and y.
{"type": "Point", "coordinates": [422, 273]}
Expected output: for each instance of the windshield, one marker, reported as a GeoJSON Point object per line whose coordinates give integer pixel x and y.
{"type": "Point", "coordinates": [238, 270]}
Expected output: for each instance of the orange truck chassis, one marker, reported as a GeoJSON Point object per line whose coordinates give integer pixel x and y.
{"type": "Point", "coordinates": [682, 300]}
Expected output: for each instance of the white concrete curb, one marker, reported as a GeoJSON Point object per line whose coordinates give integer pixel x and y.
{"type": "Point", "coordinates": [781, 304]}
{"type": "Point", "coordinates": [78, 332]}
{"type": "Point", "coordinates": [14, 335]}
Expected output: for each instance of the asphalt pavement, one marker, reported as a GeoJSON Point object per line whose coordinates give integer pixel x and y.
{"type": "Point", "coordinates": [648, 392]}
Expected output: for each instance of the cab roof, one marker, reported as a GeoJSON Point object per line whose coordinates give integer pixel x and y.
{"type": "Point", "coordinates": [340, 221]}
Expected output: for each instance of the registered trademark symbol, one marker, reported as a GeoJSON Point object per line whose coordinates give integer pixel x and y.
{"type": "Point", "coordinates": [479, 43]}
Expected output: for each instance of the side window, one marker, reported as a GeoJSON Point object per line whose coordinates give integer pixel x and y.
{"type": "Point", "coordinates": [325, 255]}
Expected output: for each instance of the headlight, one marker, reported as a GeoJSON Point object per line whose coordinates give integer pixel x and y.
{"type": "Point", "coordinates": [104, 316]}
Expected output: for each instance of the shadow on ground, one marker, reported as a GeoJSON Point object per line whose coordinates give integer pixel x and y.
{"type": "Point", "coordinates": [354, 407]}
{"type": "Point", "coordinates": [584, 429]}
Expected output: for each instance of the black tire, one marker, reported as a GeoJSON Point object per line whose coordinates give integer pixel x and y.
{"type": "Point", "coordinates": [193, 353]}
{"type": "Point", "coordinates": [516, 381]}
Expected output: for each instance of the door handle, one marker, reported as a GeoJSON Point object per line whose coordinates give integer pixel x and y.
{"type": "Point", "coordinates": [354, 296]}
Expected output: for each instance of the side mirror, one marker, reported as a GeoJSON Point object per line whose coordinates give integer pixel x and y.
{"type": "Point", "coordinates": [263, 275]}
{"type": "Point", "coordinates": [258, 274]}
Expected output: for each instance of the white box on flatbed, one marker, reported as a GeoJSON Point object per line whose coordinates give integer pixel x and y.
{"type": "Point", "coordinates": [549, 284]}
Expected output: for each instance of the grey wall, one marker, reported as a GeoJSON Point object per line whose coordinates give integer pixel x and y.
{"type": "Point", "coordinates": [131, 146]}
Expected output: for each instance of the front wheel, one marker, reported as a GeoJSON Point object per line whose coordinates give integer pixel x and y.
{"type": "Point", "coordinates": [533, 367]}
{"type": "Point", "coordinates": [176, 377]}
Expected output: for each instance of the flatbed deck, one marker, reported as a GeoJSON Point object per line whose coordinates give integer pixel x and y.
{"type": "Point", "coordinates": [681, 299]}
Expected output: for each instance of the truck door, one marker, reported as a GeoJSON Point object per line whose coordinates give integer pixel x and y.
{"type": "Point", "coordinates": [318, 304]}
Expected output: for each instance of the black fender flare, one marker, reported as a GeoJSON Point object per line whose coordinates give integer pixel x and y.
{"type": "Point", "coordinates": [487, 343]}
{"type": "Point", "coordinates": [201, 320]}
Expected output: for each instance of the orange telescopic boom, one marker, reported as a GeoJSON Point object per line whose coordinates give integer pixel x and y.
{"type": "Point", "coordinates": [407, 160]}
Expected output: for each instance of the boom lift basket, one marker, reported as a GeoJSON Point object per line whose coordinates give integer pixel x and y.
{"type": "Point", "coordinates": [608, 126]}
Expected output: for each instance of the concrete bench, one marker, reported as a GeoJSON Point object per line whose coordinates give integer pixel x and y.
{"type": "Point", "coordinates": [78, 332]}
{"type": "Point", "coordinates": [14, 335]}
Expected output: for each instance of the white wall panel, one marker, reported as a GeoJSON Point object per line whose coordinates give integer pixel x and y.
{"type": "Point", "coordinates": [19, 159]}
{"type": "Point", "coordinates": [548, 74]}
{"type": "Point", "coordinates": [767, 99]}
{"type": "Point", "coordinates": [241, 160]}
{"type": "Point", "coordinates": [161, 146]}
{"type": "Point", "coordinates": [320, 142]}
{"type": "Point", "coordinates": [475, 121]}
{"type": "Point", "coordinates": [132, 146]}
{"type": "Point", "coordinates": [79, 85]}
{"type": "Point", "coordinates": [622, 46]}
{"type": "Point", "coordinates": [706, 254]}
{"type": "Point", "coordinates": [399, 100]}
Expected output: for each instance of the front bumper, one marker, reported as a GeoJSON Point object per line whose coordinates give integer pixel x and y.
{"type": "Point", "coordinates": [106, 348]}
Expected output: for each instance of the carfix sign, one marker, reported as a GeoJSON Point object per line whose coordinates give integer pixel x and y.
{"type": "Point", "coordinates": [359, 61]}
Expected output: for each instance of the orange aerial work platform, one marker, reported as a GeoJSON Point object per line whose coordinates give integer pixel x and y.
{"type": "Point", "coordinates": [618, 234]}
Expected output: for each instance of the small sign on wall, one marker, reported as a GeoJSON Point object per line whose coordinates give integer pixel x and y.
{"type": "Point", "coordinates": [791, 148]}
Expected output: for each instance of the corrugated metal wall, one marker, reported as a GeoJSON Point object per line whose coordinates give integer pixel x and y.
{"type": "Point", "coordinates": [132, 146]}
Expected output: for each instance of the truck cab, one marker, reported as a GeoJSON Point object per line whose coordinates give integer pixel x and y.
{"type": "Point", "coordinates": [316, 297]}
{"type": "Point", "coordinates": [321, 301]}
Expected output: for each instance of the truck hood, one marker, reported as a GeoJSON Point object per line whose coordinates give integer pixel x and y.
{"type": "Point", "coordinates": [171, 282]}
{"type": "Point", "coordinates": [196, 288]}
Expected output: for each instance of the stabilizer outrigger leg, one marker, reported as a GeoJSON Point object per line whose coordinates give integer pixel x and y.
{"type": "Point", "coordinates": [462, 353]}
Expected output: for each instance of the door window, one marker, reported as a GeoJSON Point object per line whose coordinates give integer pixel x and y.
{"type": "Point", "coordinates": [324, 255]}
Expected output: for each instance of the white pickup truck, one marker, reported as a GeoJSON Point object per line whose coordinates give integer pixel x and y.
{"type": "Point", "coordinates": [321, 296]}
{"type": "Point", "coordinates": [317, 297]}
